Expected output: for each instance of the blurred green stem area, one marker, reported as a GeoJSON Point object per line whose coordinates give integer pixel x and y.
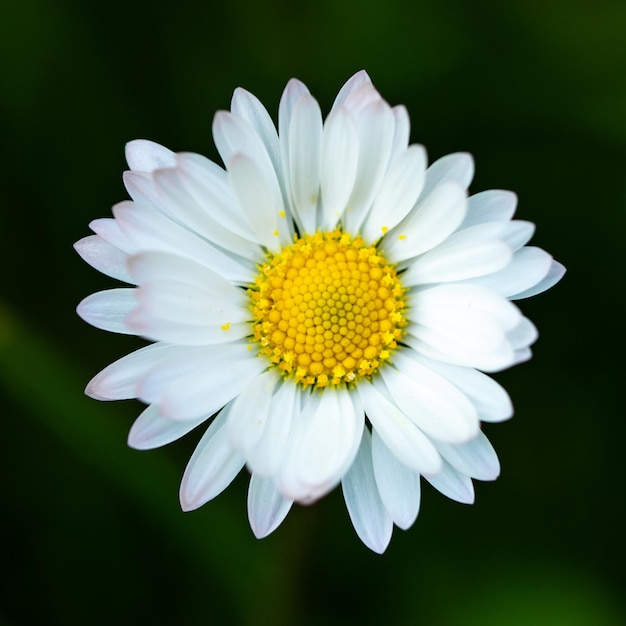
{"type": "Point", "coordinates": [94, 534]}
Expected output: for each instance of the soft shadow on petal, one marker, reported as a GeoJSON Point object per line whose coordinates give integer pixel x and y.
{"type": "Point", "coordinates": [151, 430]}
{"type": "Point", "coordinates": [453, 484]}
{"type": "Point", "coordinates": [369, 517]}
{"type": "Point", "coordinates": [476, 458]}
{"type": "Point", "coordinates": [407, 442]}
{"type": "Point", "coordinates": [104, 257]}
{"type": "Point", "coordinates": [266, 506]}
{"type": "Point", "coordinates": [212, 467]}
{"type": "Point", "coordinates": [398, 486]}
{"type": "Point", "coordinates": [146, 156]}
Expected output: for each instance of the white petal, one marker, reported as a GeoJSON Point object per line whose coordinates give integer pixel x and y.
{"type": "Point", "coordinates": [270, 451]}
{"type": "Point", "coordinates": [150, 267]}
{"type": "Point", "coordinates": [197, 194]}
{"type": "Point", "coordinates": [493, 205]}
{"type": "Point", "coordinates": [463, 255]}
{"type": "Point", "coordinates": [212, 466]}
{"type": "Point", "coordinates": [353, 83]}
{"type": "Point", "coordinates": [151, 230]}
{"type": "Point", "coordinates": [374, 124]}
{"type": "Point", "coordinates": [249, 107]}
{"type": "Point", "coordinates": [249, 411]}
{"type": "Point", "coordinates": [523, 335]}
{"type": "Point", "coordinates": [340, 150]}
{"type": "Point", "coordinates": [110, 231]}
{"type": "Point", "coordinates": [453, 484]}
{"type": "Point", "coordinates": [371, 521]}
{"type": "Point", "coordinates": [517, 233]}
{"type": "Point", "coordinates": [402, 131]}
{"type": "Point", "coordinates": [266, 506]}
{"type": "Point", "coordinates": [151, 430]}
{"type": "Point", "coordinates": [184, 302]}
{"type": "Point", "coordinates": [104, 257]}
{"type": "Point", "coordinates": [293, 91]}
{"type": "Point", "coordinates": [257, 201]}
{"type": "Point", "coordinates": [290, 96]}
{"type": "Point", "coordinates": [430, 401]}
{"type": "Point", "coordinates": [179, 203]}
{"type": "Point", "coordinates": [305, 144]}
{"type": "Point", "coordinates": [398, 486]}
{"type": "Point", "coordinates": [407, 442]}
{"type": "Point", "coordinates": [528, 267]}
{"type": "Point", "coordinates": [145, 323]}
{"type": "Point", "coordinates": [234, 135]}
{"type": "Point", "coordinates": [325, 441]}
{"type": "Point", "coordinates": [107, 310]}
{"type": "Point", "coordinates": [476, 458]}
{"type": "Point", "coordinates": [184, 362]}
{"type": "Point", "coordinates": [439, 347]}
{"type": "Point", "coordinates": [217, 208]}
{"type": "Point", "coordinates": [142, 188]}
{"type": "Point", "coordinates": [361, 97]}
{"type": "Point", "coordinates": [556, 272]}
{"type": "Point", "coordinates": [146, 156]}
{"type": "Point", "coordinates": [209, 302]}
{"type": "Point", "coordinates": [457, 168]}
{"type": "Point", "coordinates": [190, 304]}
{"type": "Point", "coordinates": [465, 323]}
{"type": "Point", "coordinates": [168, 191]}
{"type": "Point", "coordinates": [148, 228]}
{"type": "Point", "coordinates": [435, 218]}
{"type": "Point", "coordinates": [202, 381]}
{"type": "Point", "coordinates": [118, 381]}
{"type": "Point", "coordinates": [522, 355]}
{"type": "Point", "coordinates": [398, 193]}
{"type": "Point", "coordinates": [207, 390]}
{"type": "Point", "coordinates": [490, 399]}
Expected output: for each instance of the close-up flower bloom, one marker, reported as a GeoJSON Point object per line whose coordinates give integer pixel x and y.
{"type": "Point", "coordinates": [328, 303]}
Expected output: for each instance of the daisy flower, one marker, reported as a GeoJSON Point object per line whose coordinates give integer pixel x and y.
{"type": "Point", "coordinates": [328, 303]}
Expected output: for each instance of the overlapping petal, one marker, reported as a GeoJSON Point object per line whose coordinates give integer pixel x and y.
{"type": "Point", "coordinates": [104, 257]}
{"type": "Point", "coordinates": [108, 310]}
{"type": "Point", "coordinates": [372, 522]}
{"type": "Point", "coordinates": [152, 430]}
{"type": "Point", "coordinates": [212, 467]}
{"type": "Point", "coordinates": [322, 447]}
{"type": "Point", "coordinates": [267, 508]}
{"type": "Point", "coordinates": [398, 485]}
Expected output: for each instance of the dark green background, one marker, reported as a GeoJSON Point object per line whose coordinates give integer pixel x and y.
{"type": "Point", "coordinates": [92, 531]}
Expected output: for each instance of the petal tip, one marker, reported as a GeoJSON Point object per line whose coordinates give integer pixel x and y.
{"type": "Point", "coordinates": [186, 502]}
{"type": "Point", "coordinates": [136, 440]}
{"type": "Point", "coordinates": [145, 155]}
{"type": "Point", "coordinates": [378, 544]}
{"type": "Point", "coordinates": [260, 532]}
{"type": "Point", "coordinates": [94, 390]}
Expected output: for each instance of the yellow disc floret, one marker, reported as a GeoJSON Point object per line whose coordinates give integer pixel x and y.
{"type": "Point", "coordinates": [327, 309]}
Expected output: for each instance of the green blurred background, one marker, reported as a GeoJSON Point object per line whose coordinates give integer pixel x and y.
{"type": "Point", "coordinates": [92, 530]}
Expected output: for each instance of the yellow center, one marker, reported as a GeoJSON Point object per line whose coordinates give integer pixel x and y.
{"type": "Point", "coordinates": [327, 309]}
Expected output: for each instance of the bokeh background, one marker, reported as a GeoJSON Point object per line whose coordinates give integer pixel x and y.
{"type": "Point", "coordinates": [92, 532]}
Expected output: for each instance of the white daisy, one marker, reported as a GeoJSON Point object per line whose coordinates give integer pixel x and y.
{"type": "Point", "coordinates": [328, 302]}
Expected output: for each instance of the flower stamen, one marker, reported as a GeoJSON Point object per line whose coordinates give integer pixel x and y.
{"type": "Point", "coordinates": [328, 309]}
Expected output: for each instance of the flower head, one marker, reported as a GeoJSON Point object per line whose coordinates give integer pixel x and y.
{"type": "Point", "coordinates": [327, 303]}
